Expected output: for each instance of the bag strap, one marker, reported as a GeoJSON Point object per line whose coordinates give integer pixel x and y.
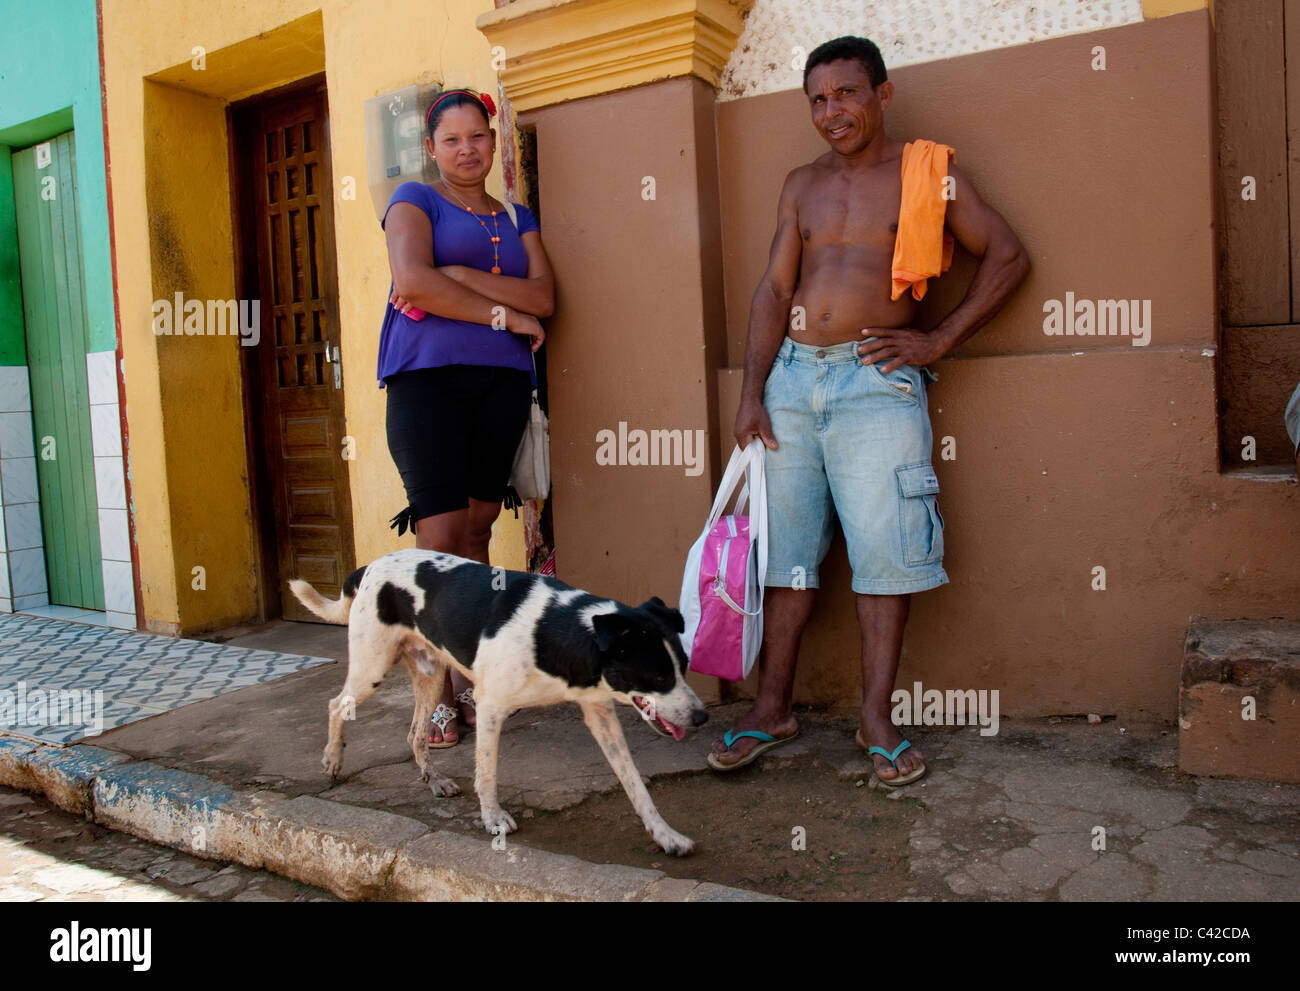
{"type": "Point", "coordinates": [754, 492]}
{"type": "Point", "coordinates": [758, 516]}
{"type": "Point", "coordinates": [737, 467]}
{"type": "Point", "coordinates": [722, 594]}
{"type": "Point", "coordinates": [514, 219]}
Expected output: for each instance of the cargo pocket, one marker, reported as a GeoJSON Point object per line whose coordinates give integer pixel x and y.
{"type": "Point", "coordinates": [918, 514]}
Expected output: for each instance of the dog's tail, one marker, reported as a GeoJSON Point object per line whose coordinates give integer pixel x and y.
{"type": "Point", "coordinates": [330, 610]}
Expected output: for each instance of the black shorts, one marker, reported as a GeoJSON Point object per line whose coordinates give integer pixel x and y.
{"type": "Point", "coordinates": [453, 432]}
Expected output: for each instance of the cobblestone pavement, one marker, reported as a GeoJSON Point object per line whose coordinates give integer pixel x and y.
{"type": "Point", "coordinates": [1080, 813]}
{"type": "Point", "coordinates": [47, 854]}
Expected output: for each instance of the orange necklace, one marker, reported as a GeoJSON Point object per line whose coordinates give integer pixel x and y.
{"type": "Point", "coordinates": [496, 239]}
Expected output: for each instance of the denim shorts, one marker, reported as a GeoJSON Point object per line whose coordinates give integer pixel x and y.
{"type": "Point", "coordinates": [852, 440]}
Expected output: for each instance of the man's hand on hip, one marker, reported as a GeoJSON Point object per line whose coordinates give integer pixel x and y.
{"type": "Point", "coordinates": [897, 346]}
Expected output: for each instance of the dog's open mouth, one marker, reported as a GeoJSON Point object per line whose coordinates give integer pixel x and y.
{"type": "Point", "coordinates": [658, 723]}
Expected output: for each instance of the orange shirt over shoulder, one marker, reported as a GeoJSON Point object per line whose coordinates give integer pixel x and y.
{"type": "Point", "coordinates": [923, 249]}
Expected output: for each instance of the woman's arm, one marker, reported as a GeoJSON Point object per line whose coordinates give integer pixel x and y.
{"type": "Point", "coordinates": [410, 259]}
{"type": "Point", "coordinates": [533, 294]}
{"type": "Point", "coordinates": [417, 283]}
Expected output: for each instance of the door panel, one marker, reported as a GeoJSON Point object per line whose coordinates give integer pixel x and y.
{"type": "Point", "coordinates": [298, 399]}
{"type": "Point", "coordinates": [54, 312]}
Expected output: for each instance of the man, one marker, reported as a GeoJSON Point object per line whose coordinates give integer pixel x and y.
{"type": "Point", "coordinates": [840, 403]}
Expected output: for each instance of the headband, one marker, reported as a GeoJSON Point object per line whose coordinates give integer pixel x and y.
{"type": "Point", "coordinates": [482, 98]}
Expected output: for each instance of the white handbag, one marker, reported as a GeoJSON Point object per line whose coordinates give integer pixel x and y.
{"type": "Point", "coordinates": [530, 477]}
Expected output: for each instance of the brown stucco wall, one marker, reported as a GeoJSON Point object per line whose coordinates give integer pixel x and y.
{"type": "Point", "coordinates": [1259, 257]}
{"type": "Point", "coordinates": [1106, 174]}
{"type": "Point", "coordinates": [1254, 234]}
{"type": "Point", "coordinates": [1260, 369]}
{"type": "Point", "coordinates": [1072, 453]}
{"type": "Point", "coordinates": [638, 330]}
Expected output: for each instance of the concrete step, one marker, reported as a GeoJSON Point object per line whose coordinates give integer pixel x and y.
{"type": "Point", "coordinates": [1282, 473]}
{"type": "Point", "coordinates": [1239, 701]}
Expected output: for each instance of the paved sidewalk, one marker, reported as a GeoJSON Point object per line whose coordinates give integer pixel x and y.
{"type": "Point", "coordinates": [108, 677]}
{"type": "Point", "coordinates": [1045, 810]}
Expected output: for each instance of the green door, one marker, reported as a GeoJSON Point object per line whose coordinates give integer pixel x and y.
{"type": "Point", "coordinates": [54, 309]}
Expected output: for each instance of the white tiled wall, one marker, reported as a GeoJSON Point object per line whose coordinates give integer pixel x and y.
{"type": "Point", "coordinates": [110, 488]}
{"type": "Point", "coordinates": [22, 556]}
{"type": "Point", "coordinates": [23, 582]}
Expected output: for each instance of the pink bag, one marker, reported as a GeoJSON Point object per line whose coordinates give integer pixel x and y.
{"type": "Point", "coordinates": [722, 589]}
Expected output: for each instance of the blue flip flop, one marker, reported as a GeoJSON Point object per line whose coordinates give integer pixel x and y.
{"type": "Point", "coordinates": [767, 742]}
{"type": "Point", "coordinates": [902, 779]}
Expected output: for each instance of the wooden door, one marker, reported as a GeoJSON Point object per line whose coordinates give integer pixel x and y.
{"type": "Point", "coordinates": [54, 313]}
{"type": "Point", "coordinates": [295, 385]}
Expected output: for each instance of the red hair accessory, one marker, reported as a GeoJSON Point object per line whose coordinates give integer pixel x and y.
{"type": "Point", "coordinates": [482, 98]}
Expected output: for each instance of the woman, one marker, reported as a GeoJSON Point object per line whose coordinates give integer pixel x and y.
{"type": "Point", "coordinates": [455, 352]}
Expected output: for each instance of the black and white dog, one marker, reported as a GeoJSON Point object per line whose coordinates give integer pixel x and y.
{"type": "Point", "coordinates": [523, 640]}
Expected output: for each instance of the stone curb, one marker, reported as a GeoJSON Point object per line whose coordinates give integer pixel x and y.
{"type": "Point", "coordinates": [355, 852]}
{"type": "Point", "coordinates": [63, 775]}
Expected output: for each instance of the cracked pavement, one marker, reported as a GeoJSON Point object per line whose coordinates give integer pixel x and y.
{"type": "Point", "coordinates": [1014, 816]}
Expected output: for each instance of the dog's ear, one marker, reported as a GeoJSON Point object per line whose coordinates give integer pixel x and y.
{"type": "Point", "coordinates": [666, 615]}
{"type": "Point", "coordinates": [609, 627]}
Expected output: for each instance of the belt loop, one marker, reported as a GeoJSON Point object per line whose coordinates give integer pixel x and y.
{"type": "Point", "coordinates": [788, 347]}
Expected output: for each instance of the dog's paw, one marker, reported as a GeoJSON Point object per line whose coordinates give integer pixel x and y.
{"type": "Point", "coordinates": [498, 823]}
{"type": "Point", "coordinates": [331, 764]}
{"type": "Point", "coordinates": [443, 787]}
{"type": "Point", "coordinates": [671, 841]}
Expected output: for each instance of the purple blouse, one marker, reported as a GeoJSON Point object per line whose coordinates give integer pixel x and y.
{"type": "Point", "coordinates": [458, 239]}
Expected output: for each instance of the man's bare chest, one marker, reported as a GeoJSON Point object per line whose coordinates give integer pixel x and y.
{"type": "Point", "coordinates": [862, 214]}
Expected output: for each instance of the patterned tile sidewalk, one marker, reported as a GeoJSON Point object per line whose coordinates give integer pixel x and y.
{"type": "Point", "coordinates": [61, 682]}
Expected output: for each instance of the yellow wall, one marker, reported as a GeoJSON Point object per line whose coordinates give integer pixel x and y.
{"type": "Point", "coordinates": [1163, 8]}
{"type": "Point", "coordinates": [199, 377]}
{"type": "Point", "coordinates": [172, 222]}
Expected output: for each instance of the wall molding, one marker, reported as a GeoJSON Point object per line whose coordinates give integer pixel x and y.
{"type": "Point", "coordinates": [559, 50]}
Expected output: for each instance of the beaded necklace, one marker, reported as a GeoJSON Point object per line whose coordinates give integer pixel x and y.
{"type": "Point", "coordinates": [496, 239]}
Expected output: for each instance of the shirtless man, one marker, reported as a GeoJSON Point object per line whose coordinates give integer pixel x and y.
{"type": "Point", "coordinates": [841, 401]}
